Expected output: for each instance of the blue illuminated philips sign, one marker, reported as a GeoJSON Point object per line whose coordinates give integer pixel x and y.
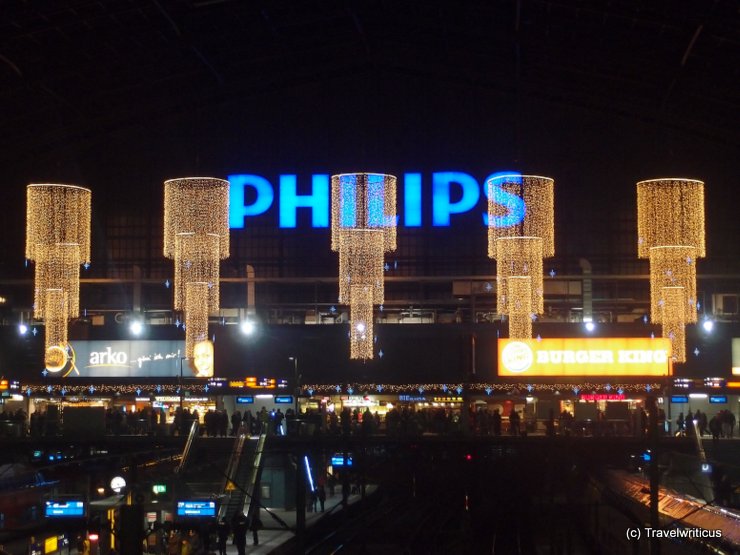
{"type": "Point", "coordinates": [452, 193]}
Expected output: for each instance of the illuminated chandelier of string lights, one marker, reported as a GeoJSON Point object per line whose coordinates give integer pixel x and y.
{"type": "Point", "coordinates": [58, 242]}
{"type": "Point", "coordinates": [521, 232]}
{"type": "Point", "coordinates": [363, 228]}
{"type": "Point", "coordinates": [196, 236]}
{"type": "Point", "coordinates": [671, 234]}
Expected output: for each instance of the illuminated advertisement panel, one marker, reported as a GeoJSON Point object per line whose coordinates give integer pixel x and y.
{"type": "Point", "coordinates": [451, 194]}
{"type": "Point", "coordinates": [132, 359]}
{"type": "Point", "coordinates": [585, 357]}
{"type": "Point", "coordinates": [736, 356]}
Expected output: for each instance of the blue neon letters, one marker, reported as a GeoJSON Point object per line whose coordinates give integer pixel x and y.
{"type": "Point", "coordinates": [453, 193]}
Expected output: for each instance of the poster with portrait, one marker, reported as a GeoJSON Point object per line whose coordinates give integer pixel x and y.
{"type": "Point", "coordinates": [130, 359]}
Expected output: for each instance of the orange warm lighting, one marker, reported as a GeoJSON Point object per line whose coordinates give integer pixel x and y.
{"type": "Point", "coordinates": [585, 357]}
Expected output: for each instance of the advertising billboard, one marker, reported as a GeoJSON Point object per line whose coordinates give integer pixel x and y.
{"type": "Point", "coordinates": [585, 357]}
{"type": "Point", "coordinates": [132, 359]}
{"type": "Point", "coordinates": [736, 356]}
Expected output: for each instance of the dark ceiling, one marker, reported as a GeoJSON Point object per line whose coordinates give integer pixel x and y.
{"type": "Point", "coordinates": [118, 95]}
{"type": "Point", "coordinates": [73, 72]}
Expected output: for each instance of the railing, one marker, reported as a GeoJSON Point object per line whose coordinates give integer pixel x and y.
{"type": "Point", "coordinates": [188, 445]}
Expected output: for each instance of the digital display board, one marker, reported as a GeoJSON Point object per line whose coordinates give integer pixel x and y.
{"type": "Point", "coordinates": [718, 399]}
{"type": "Point", "coordinates": [585, 357]}
{"type": "Point", "coordinates": [679, 399]}
{"type": "Point", "coordinates": [245, 400]}
{"type": "Point", "coordinates": [284, 399]}
{"type": "Point", "coordinates": [64, 509]}
{"type": "Point", "coordinates": [196, 508]}
{"type": "Point", "coordinates": [338, 460]}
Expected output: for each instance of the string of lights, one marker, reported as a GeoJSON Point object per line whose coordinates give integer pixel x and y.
{"type": "Point", "coordinates": [58, 241]}
{"type": "Point", "coordinates": [519, 248]}
{"type": "Point", "coordinates": [313, 390]}
{"type": "Point", "coordinates": [363, 228]}
{"type": "Point", "coordinates": [670, 233]}
{"type": "Point", "coordinates": [196, 235]}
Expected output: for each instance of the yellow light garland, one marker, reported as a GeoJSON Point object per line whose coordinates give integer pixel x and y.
{"type": "Point", "coordinates": [196, 315]}
{"type": "Point", "coordinates": [519, 248]}
{"type": "Point", "coordinates": [58, 241]}
{"type": "Point", "coordinates": [673, 315]}
{"type": "Point", "coordinates": [672, 267]}
{"type": "Point", "coordinates": [196, 235]}
{"type": "Point", "coordinates": [519, 256]}
{"type": "Point", "coordinates": [196, 260]}
{"type": "Point", "coordinates": [196, 205]}
{"type": "Point", "coordinates": [361, 263]}
{"type": "Point", "coordinates": [56, 327]}
{"type": "Point", "coordinates": [57, 214]}
{"type": "Point", "coordinates": [520, 307]}
{"type": "Point", "coordinates": [538, 194]}
{"type": "Point", "coordinates": [361, 322]}
{"type": "Point", "coordinates": [670, 232]}
{"type": "Point", "coordinates": [363, 227]}
{"type": "Point", "coordinates": [670, 212]}
{"type": "Point", "coordinates": [363, 201]}
{"type": "Point", "coordinates": [57, 267]}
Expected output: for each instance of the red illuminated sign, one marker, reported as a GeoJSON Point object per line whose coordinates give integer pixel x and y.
{"type": "Point", "coordinates": [603, 397]}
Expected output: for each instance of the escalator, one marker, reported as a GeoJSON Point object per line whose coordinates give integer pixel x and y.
{"type": "Point", "coordinates": [243, 474]}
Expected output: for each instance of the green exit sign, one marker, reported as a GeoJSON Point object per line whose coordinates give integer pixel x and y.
{"type": "Point", "coordinates": [159, 488]}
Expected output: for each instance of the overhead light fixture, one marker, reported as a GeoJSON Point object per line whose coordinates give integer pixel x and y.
{"type": "Point", "coordinates": [708, 325]}
{"type": "Point", "coordinates": [136, 327]}
{"type": "Point", "coordinates": [22, 329]}
{"type": "Point", "coordinates": [590, 326]}
{"type": "Point", "coordinates": [247, 327]}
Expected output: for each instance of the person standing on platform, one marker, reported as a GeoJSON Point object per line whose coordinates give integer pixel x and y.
{"type": "Point", "coordinates": [222, 531]}
{"type": "Point", "coordinates": [321, 492]}
{"type": "Point", "coordinates": [236, 421]}
{"type": "Point", "coordinates": [240, 525]}
{"type": "Point", "coordinates": [256, 527]}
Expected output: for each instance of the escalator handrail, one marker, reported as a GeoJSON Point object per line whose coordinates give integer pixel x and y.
{"type": "Point", "coordinates": [188, 445]}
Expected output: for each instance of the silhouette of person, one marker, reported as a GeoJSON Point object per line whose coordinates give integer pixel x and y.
{"type": "Point", "coordinates": [202, 362]}
{"type": "Point", "coordinates": [240, 525]}
{"type": "Point", "coordinates": [222, 530]}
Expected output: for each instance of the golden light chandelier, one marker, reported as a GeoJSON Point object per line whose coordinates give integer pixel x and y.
{"type": "Point", "coordinates": [520, 246]}
{"type": "Point", "coordinates": [196, 236]}
{"type": "Point", "coordinates": [363, 228]}
{"type": "Point", "coordinates": [670, 233]}
{"type": "Point", "coordinates": [58, 241]}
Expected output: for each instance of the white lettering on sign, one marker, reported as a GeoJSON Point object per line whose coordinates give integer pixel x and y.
{"type": "Point", "coordinates": [109, 357]}
{"type": "Point", "coordinates": [575, 357]}
{"type": "Point", "coordinates": [643, 357]}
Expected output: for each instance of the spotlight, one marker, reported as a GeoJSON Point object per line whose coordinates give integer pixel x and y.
{"type": "Point", "coordinates": [360, 327]}
{"type": "Point", "coordinates": [23, 329]}
{"type": "Point", "coordinates": [136, 327]}
{"type": "Point", "coordinates": [590, 326]}
{"type": "Point", "coordinates": [708, 325]}
{"type": "Point", "coordinates": [247, 327]}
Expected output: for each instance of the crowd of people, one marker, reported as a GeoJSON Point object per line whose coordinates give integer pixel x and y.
{"type": "Point", "coordinates": [399, 421]}
{"type": "Point", "coordinates": [720, 425]}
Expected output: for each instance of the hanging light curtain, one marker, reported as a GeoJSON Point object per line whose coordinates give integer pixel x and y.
{"type": "Point", "coordinates": [196, 236]}
{"type": "Point", "coordinates": [58, 241]}
{"type": "Point", "coordinates": [670, 233]}
{"type": "Point", "coordinates": [521, 232]}
{"type": "Point", "coordinates": [363, 228]}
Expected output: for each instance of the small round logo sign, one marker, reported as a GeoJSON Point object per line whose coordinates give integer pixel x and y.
{"type": "Point", "coordinates": [517, 357]}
